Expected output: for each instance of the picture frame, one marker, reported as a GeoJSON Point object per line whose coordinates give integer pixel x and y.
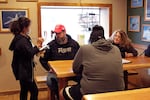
{"type": "Point", "coordinates": [26, 0]}
{"type": "Point", "coordinates": [136, 3]}
{"type": "Point", "coordinates": [147, 10]}
{"type": "Point", "coordinates": [7, 15]}
{"type": "Point", "coordinates": [145, 32]}
{"type": "Point", "coordinates": [3, 1]}
{"type": "Point", "coordinates": [134, 23]}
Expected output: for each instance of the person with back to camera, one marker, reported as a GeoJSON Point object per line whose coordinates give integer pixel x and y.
{"type": "Point", "coordinates": [63, 47]}
{"type": "Point", "coordinates": [99, 64]}
{"type": "Point", "coordinates": [122, 41]}
{"type": "Point", "coordinates": [23, 55]}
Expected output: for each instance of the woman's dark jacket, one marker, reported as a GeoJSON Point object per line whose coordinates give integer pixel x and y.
{"type": "Point", "coordinates": [130, 49]}
{"type": "Point", "coordinates": [23, 53]}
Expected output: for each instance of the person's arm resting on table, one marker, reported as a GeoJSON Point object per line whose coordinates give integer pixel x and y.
{"type": "Point", "coordinates": [44, 60]}
{"type": "Point", "coordinates": [133, 51]}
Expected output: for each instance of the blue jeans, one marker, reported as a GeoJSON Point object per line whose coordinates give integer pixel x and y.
{"type": "Point", "coordinates": [52, 83]}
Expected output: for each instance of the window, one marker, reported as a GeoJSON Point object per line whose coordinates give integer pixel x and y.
{"type": "Point", "coordinates": [77, 20]}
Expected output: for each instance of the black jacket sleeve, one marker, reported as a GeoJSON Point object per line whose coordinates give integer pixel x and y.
{"type": "Point", "coordinates": [122, 51]}
{"type": "Point", "coordinates": [44, 60]}
{"type": "Point", "coordinates": [147, 51]}
{"type": "Point", "coordinates": [133, 51]}
{"type": "Point", "coordinates": [26, 48]}
{"type": "Point", "coordinates": [123, 54]}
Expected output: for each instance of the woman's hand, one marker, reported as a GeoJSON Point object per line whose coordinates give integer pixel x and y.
{"type": "Point", "coordinates": [127, 55]}
{"type": "Point", "coordinates": [51, 71]}
{"type": "Point", "coordinates": [40, 42]}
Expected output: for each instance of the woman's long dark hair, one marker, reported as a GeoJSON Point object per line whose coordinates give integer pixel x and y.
{"type": "Point", "coordinates": [97, 33]}
{"type": "Point", "coordinates": [125, 41]}
{"type": "Point", "coordinates": [16, 27]}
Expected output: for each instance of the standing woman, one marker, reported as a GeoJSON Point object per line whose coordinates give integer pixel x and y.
{"type": "Point", "coordinates": [23, 53]}
{"type": "Point", "coordinates": [122, 41]}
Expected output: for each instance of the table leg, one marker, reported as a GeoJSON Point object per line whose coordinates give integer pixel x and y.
{"type": "Point", "coordinates": [126, 79]}
{"type": "Point", "coordinates": [62, 82]}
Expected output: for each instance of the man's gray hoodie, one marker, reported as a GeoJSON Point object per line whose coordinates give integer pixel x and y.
{"type": "Point", "coordinates": [100, 65]}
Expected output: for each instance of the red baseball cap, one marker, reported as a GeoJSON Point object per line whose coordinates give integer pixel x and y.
{"type": "Point", "coordinates": [59, 28]}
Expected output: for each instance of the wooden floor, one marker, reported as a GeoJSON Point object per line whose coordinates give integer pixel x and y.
{"type": "Point", "coordinates": [135, 81]}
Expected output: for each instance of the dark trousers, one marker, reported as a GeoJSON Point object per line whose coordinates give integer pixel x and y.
{"type": "Point", "coordinates": [28, 86]}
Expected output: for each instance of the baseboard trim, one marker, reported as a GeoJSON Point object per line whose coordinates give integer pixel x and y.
{"type": "Point", "coordinates": [10, 92]}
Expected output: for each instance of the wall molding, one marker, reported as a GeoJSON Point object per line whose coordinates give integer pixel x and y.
{"type": "Point", "coordinates": [10, 92]}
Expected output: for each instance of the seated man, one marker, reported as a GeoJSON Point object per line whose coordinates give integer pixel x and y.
{"type": "Point", "coordinates": [62, 48]}
{"type": "Point", "coordinates": [100, 65]}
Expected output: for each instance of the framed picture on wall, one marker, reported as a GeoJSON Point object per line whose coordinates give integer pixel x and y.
{"type": "Point", "coordinates": [134, 23]}
{"type": "Point", "coordinates": [3, 1]}
{"type": "Point", "coordinates": [147, 10]}
{"type": "Point", "coordinates": [136, 3]}
{"type": "Point", "coordinates": [26, 0]}
{"type": "Point", "coordinates": [9, 15]}
{"type": "Point", "coordinates": [146, 32]}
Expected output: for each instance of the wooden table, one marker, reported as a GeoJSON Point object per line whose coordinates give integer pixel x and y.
{"type": "Point", "coordinates": [63, 69]}
{"type": "Point", "coordinates": [0, 52]}
{"type": "Point", "coordinates": [137, 63]}
{"type": "Point", "coordinates": [138, 94]}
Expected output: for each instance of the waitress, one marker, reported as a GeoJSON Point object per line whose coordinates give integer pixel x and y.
{"type": "Point", "coordinates": [23, 53]}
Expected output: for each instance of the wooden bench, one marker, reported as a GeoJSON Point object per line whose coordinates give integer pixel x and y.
{"type": "Point", "coordinates": [138, 94]}
{"type": "Point", "coordinates": [41, 81]}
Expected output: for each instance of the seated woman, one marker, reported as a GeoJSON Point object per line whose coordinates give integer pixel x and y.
{"type": "Point", "coordinates": [122, 41]}
{"type": "Point", "coordinates": [99, 64]}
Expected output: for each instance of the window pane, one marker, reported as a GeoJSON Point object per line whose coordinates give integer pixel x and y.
{"type": "Point", "coordinates": [77, 20]}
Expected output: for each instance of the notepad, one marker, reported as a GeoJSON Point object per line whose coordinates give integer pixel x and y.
{"type": "Point", "coordinates": [124, 61]}
{"type": "Point", "coordinates": [44, 47]}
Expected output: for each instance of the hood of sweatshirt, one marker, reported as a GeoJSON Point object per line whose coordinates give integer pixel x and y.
{"type": "Point", "coordinates": [103, 45]}
{"type": "Point", "coordinates": [15, 40]}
